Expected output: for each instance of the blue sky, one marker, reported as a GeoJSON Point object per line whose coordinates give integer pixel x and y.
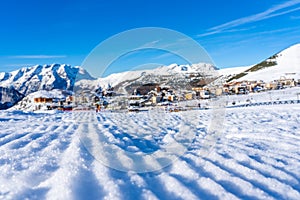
{"type": "Point", "coordinates": [233, 32]}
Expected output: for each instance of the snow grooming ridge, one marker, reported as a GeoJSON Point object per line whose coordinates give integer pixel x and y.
{"type": "Point", "coordinates": [43, 155]}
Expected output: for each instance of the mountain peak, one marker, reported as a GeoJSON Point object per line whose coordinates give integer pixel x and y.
{"type": "Point", "coordinates": [43, 77]}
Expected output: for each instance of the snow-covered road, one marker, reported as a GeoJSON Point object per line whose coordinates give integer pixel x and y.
{"type": "Point", "coordinates": [256, 155]}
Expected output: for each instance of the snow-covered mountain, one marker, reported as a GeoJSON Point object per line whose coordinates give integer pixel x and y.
{"type": "Point", "coordinates": [285, 64]}
{"type": "Point", "coordinates": [161, 75]}
{"type": "Point", "coordinates": [55, 76]}
{"type": "Point", "coordinates": [226, 74]}
{"type": "Point", "coordinates": [25, 81]}
{"type": "Point", "coordinates": [40, 77]}
{"type": "Point", "coordinates": [233, 70]}
{"type": "Point", "coordinates": [8, 97]}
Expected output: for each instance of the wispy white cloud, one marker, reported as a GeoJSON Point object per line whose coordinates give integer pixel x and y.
{"type": "Point", "coordinates": [149, 44]}
{"type": "Point", "coordinates": [277, 10]}
{"type": "Point", "coordinates": [235, 44]}
{"type": "Point", "coordinates": [37, 56]}
{"type": "Point", "coordinates": [226, 31]}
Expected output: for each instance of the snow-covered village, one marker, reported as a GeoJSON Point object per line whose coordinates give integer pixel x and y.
{"type": "Point", "coordinates": [162, 120]}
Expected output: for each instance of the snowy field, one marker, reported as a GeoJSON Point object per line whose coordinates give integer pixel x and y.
{"type": "Point", "coordinates": [254, 155]}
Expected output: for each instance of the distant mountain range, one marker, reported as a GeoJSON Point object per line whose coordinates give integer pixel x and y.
{"type": "Point", "coordinates": [17, 84]}
{"type": "Point", "coordinates": [181, 76]}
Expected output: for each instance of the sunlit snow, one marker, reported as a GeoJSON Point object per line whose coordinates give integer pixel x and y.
{"type": "Point", "coordinates": [256, 155]}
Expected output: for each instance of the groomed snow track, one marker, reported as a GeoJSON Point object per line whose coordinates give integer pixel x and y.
{"type": "Point", "coordinates": [256, 157]}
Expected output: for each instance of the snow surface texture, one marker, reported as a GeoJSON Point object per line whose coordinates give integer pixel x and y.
{"type": "Point", "coordinates": [256, 157]}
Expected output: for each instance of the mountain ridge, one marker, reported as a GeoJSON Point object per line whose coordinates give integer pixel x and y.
{"type": "Point", "coordinates": [40, 77]}
{"type": "Point", "coordinates": [25, 81]}
{"type": "Point", "coordinates": [166, 70]}
{"type": "Point", "coordinates": [278, 65]}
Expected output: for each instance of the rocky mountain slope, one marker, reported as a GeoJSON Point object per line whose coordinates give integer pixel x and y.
{"type": "Point", "coordinates": [175, 75]}
{"type": "Point", "coordinates": [8, 97]}
{"type": "Point", "coordinates": [17, 84]}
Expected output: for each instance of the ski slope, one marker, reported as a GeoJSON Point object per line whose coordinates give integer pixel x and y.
{"type": "Point", "coordinates": [287, 66]}
{"type": "Point", "coordinates": [256, 155]}
{"type": "Point", "coordinates": [232, 70]}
